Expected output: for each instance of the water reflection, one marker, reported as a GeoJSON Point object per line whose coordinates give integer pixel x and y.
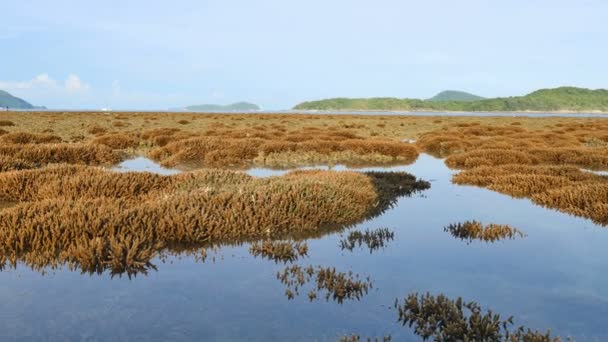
{"type": "Point", "coordinates": [326, 281]}
{"type": "Point", "coordinates": [444, 319]}
{"type": "Point", "coordinates": [279, 251]}
{"type": "Point", "coordinates": [473, 230]}
{"type": "Point", "coordinates": [368, 112]}
{"type": "Point", "coordinates": [357, 338]}
{"type": "Point", "coordinates": [599, 173]}
{"type": "Point", "coordinates": [143, 164]}
{"type": "Point", "coordinates": [372, 239]}
{"type": "Point", "coordinates": [556, 279]}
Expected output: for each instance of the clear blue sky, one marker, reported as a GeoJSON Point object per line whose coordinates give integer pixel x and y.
{"type": "Point", "coordinates": [158, 54]}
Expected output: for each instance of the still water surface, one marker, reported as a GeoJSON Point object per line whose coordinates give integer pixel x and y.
{"type": "Point", "coordinates": [348, 112]}
{"type": "Point", "coordinates": [556, 277]}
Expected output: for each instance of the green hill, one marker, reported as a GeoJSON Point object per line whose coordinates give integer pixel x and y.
{"type": "Point", "coordinates": [237, 106]}
{"type": "Point", "coordinates": [569, 99]}
{"type": "Point", "coordinates": [454, 95]}
{"type": "Point", "coordinates": [10, 101]}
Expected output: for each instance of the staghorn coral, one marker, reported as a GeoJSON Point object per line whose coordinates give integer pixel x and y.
{"type": "Point", "coordinates": [9, 164]}
{"type": "Point", "coordinates": [78, 182]}
{"type": "Point", "coordinates": [275, 148]}
{"type": "Point", "coordinates": [29, 138]}
{"type": "Point", "coordinates": [96, 129]}
{"type": "Point", "coordinates": [97, 220]}
{"type": "Point", "coordinates": [565, 188]}
{"type": "Point", "coordinates": [581, 199]}
{"type": "Point", "coordinates": [305, 139]}
{"type": "Point", "coordinates": [489, 157]}
{"type": "Point", "coordinates": [543, 165]}
{"type": "Point", "coordinates": [43, 154]}
{"type": "Point", "coordinates": [117, 140]}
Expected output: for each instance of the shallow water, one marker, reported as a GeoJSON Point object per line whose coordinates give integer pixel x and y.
{"type": "Point", "coordinates": [142, 164]}
{"type": "Point", "coordinates": [554, 278]}
{"type": "Point", "coordinates": [439, 113]}
{"type": "Point", "coordinates": [355, 112]}
{"type": "Point", "coordinates": [599, 173]}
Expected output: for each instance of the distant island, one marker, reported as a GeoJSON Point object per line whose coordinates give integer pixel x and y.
{"type": "Point", "coordinates": [233, 107]}
{"type": "Point", "coordinates": [455, 95]}
{"type": "Point", "coordinates": [12, 102]}
{"type": "Point", "coordinates": [563, 99]}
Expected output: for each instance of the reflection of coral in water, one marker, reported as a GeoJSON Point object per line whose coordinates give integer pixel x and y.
{"type": "Point", "coordinates": [279, 251]}
{"type": "Point", "coordinates": [444, 319]}
{"type": "Point", "coordinates": [357, 338]}
{"type": "Point", "coordinates": [372, 239]}
{"type": "Point", "coordinates": [336, 285]}
{"type": "Point", "coordinates": [473, 230]}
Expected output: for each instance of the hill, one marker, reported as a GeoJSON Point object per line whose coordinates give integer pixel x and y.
{"type": "Point", "coordinates": [455, 95]}
{"type": "Point", "coordinates": [237, 106]}
{"type": "Point", "coordinates": [10, 101]}
{"type": "Point", "coordinates": [569, 99]}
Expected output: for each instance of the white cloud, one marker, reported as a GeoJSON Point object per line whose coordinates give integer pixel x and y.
{"type": "Point", "coordinates": [40, 81]}
{"type": "Point", "coordinates": [43, 81]}
{"type": "Point", "coordinates": [73, 84]}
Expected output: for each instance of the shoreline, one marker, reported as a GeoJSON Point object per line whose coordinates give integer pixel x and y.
{"type": "Point", "coordinates": [316, 111]}
{"type": "Point", "coordinates": [590, 112]}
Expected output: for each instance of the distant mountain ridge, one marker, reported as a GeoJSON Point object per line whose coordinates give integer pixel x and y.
{"type": "Point", "coordinates": [13, 102]}
{"type": "Point", "coordinates": [562, 99]}
{"type": "Point", "coordinates": [455, 95]}
{"type": "Point", "coordinates": [237, 106]}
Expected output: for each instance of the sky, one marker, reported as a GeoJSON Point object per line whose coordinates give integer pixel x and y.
{"type": "Point", "coordinates": [151, 54]}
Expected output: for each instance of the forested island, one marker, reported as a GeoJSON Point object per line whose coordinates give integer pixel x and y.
{"type": "Point", "coordinates": [13, 102]}
{"type": "Point", "coordinates": [563, 99]}
{"type": "Point", "coordinates": [455, 95]}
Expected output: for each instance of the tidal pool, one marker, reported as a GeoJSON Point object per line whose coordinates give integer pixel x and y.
{"type": "Point", "coordinates": [555, 278]}
{"type": "Point", "coordinates": [143, 164]}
